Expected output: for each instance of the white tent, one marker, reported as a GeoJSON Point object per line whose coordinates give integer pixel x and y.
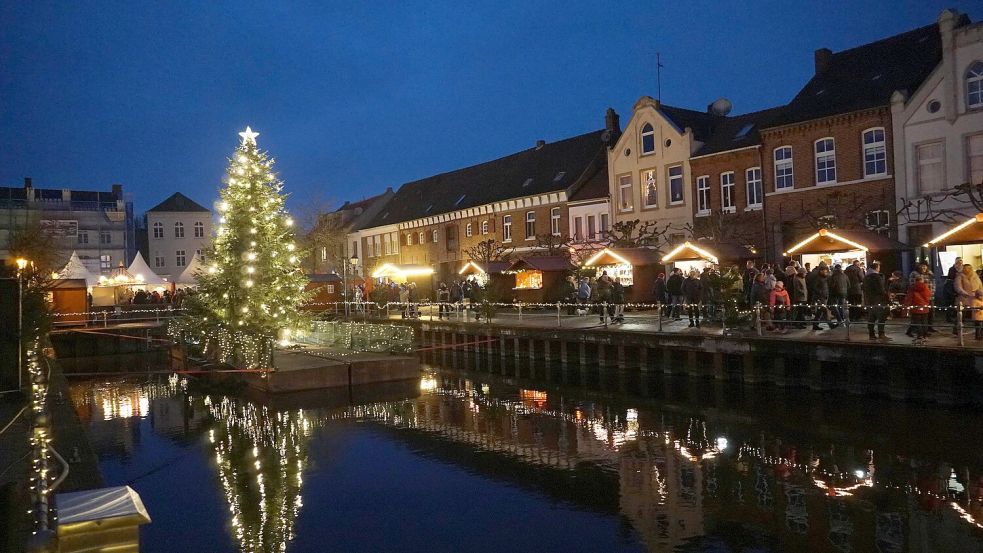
{"type": "Point", "coordinates": [142, 272]}
{"type": "Point", "coordinates": [187, 276]}
{"type": "Point", "coordinates": [76, 269]}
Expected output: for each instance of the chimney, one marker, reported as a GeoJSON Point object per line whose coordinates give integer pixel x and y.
{"type": "Point", "coordinates": [118, 191]}
{"type": "Point", "coordinates": [27, 182]}
{"type": "Point", "coordinates": [823, 57]}
{"type": "Point", "coordinates": [540, 144]}
{"type": "Point", "coordinates": [612, 127]}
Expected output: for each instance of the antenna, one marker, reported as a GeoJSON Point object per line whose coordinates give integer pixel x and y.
{"type": "Point", "coordinates": [658, 71]}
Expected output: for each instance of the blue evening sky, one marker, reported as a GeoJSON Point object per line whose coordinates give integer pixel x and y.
{"type": "Point", "coordinates": [352, 97]}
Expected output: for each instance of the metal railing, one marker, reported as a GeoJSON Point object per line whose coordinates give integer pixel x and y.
{"type": "Point", "coordinates": [118, 315]}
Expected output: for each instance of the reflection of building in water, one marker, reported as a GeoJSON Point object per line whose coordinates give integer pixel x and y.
{"type": "Point", "coordinates": [261, 456]}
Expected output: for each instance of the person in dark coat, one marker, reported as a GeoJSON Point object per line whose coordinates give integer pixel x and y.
{"type": "Point", "coordinates": [693, 295]}
{"type": "Point", "coordinates": [876, 299]}
{"type": "Point", "coordinates": [674, 285]}
{"type": "Point", "coordinates": [839, 283]}
{"type": "Point", "coordinates": [659, 292]}
{"type": "Point", "coordinates": [855, 293]}
{"type": "Point", "coordinates": [820, 297]}
{"type": "Point", "coordinates": [617, 309]}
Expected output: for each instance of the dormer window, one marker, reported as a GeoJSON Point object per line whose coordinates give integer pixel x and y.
{"type": "Point", "coordinates": [648, 139]}
{"type": "Point", "coordinates": [559, 176]}
{"type": "Point", "coordinates": [974, 86]}
{"type": "Point", "coordinates": [741, 134]}
{"type": "Point", "coordinates": [527, 183]}
{"type": "Point", "coordinates": [459, 200]}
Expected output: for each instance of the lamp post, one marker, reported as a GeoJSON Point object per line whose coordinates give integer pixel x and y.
{"type": "Point", "coordinates": [21, 265]}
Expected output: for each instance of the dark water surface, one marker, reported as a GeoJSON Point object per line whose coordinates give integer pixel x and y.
{"type": "Point", "coordinates": [472, 461]}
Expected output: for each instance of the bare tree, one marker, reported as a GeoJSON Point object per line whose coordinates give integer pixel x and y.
{"type": "Point", "coordinates": [486, 251]}
{"type": "Point", "coordinates": [739, 228]}
{"type": "Point", "coordinates": [551, 244]}
{"type": "Point", "coordinates": [323, 229]}
{"type": "Point", "coordinates": [636, 234]}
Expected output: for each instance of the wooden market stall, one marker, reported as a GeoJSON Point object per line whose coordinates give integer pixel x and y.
{"type": "Point", "coordinates": [69, 298]}
{"type": "Point", "coordinates": [421, 275]}
{"type": "Point", "coordinates": [843, 247]}
{"type": "Point", "coordinates": [965, 240]}
{"type": "Point", "coordinates": [537, 277]}
{"type": "Point", "coordinates": [635, 268]}
{"type": "Point", "coordinates": [324, 288]}
{"type": "Point", "coordinates": [490, 275]}
{"type": "Point", "coordinates": [690, 256]}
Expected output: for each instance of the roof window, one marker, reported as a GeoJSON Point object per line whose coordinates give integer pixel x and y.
{"type": "Point", "coordinates": [559, 176]}
{"type": "Point", "coordinates": [459, 200]}
{"type": "Point", "coordinates": [527, 183]}
{"type": "Point", "coordinates": [744, 131]}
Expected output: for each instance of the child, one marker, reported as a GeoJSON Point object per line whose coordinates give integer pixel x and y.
{"type": "Point", "coordinates": [918, 299]}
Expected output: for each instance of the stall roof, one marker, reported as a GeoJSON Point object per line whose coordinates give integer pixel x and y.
{"type": "Point", "coordinates": [142, 272]}
{"type": "Point", "coordinates": [401, 270]}
{"type": "Point", "coordinates": [842, 240]}
{"type": "Point", "coordinates": [630, 256]}
{"type": "Point", "coordinates": [187, 276]}
{"type": "Point", "coordinates": [542, 263]}
{"type": "Point", "coordinates": [67, 284]}
{"type": "Point", "coordinates": [472, 267]}
{"type": "Point", "coordinates": [709, 251]}
{"type": "Point", "coordinates": [75, 269]}
{"type": "Point", "coordinates": [967, 232]}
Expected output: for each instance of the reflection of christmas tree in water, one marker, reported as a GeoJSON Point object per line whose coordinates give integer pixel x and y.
{"type": "Point", "coordinates": [261, 456]}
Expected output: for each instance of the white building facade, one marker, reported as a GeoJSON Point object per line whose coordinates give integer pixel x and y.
{"type": "Point", "coordinates": [178, 229]}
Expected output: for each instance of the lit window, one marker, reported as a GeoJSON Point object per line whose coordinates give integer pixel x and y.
{"type": "Point", "coordinates": [624, 193]}
{"type": "Point", "coordinates": [703, 195]}
{"type": "Point", "coordinates": [529, 280]}
{"type": "Point", "coordinates": [467, 230]}
{"type": "Point", "coordinates": [929, 163]}
{"type": "Point", "coordinates": [578, 228]}
{"type": "Point", "coordinates": [423, 238]}
{"type": "Point", "coordinates": [507, 228]}
{"type": "Point", "coordinates": [158, 230]}
{"type": "Point", "coordinates": [651, 196]}
{"type": "Point", "coordinates": [604, 224]}
{"type": "Point", "coordinates": [555, 221]}
{"type": "Point", "coordinates": [530, 225]}
{"type": "Point", "coordinates": [434, 235]}
{"type": "Point", "coordinates": [648, 138]}
{"type": "Point", "coordinates": [676, 185]}
{"type": "Point", "coordinates": [199, 229]}
{"type": "Point", "coordinates": [755, 192]}
{"type": "Point", "coordinates": [591, 227]}
{"type": "Point", "coordinates": [974, 159]}
{"type": "Point", "coordinates": [783, 168]}
{"type": "Point", "coordinates": [324, 253]}
{"type": "Point", "coordinates": [181, 258]}
{"type": "Point", "coordinates": [179, 230]}
{"type": "Point", "coordinates": [875, 153]}
{"type": "Point", "coordinates": [105, 262]}
{"type": "Point", "coordinates": [825, 161]}
{"type": "Point", "coordinates": [727, 192]}
{"type": "Point", "coordinates": [974, 86]}
{"type": "Point", "coordinates": [484, 227]}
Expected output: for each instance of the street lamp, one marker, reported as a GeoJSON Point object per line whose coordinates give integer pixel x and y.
{"type": "Point", "coordinates": [21, 265]}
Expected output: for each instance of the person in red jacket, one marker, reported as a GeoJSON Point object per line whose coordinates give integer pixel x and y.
{"type": "Point", "coordinates": [918, 299]}
{"type": "Point", "coordinates": [779, 303]}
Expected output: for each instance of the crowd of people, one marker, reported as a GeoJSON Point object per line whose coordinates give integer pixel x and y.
{"type": "Point", "coordinates": [155, 297]}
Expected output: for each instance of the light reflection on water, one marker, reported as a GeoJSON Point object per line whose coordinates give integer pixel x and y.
{"type": "Point", "coordinates": [680, 477]}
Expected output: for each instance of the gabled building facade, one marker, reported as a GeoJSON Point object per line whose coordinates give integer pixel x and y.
{"type": "Point", "coordinates": [178, 230]}
{"type": "Point", "coordinates": [328, 241]}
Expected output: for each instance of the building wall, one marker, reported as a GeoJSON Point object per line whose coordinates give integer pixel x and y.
{"type": "Point", "coordinates": [163, 252]}
{"type": "Point", "coordinates": [599, 210]}
{"type": "Point", "coordinates": [744, 224]}
{"type": "Point", "coordinates": [793, 213]}
{"type": "Point", "coordinates": [673, 147]}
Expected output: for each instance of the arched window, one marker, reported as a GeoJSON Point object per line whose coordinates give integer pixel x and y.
{"type": "Point", "coordinates": [158, 230]}
{"type": "Point", "coordinates": [974, 86]}
{"type": "Point", "coordinates": [484, 227]}
{"type": "Point", "coordinates": [434, 232]}
{"type": "Point", "coordinates": [179, 230]}
{"type": "Point", "coordinates": [648, 138]}
{"type": "Point", "coordinates": [468, 230]}
{"type": "Point", "coordinates": [199, 229]}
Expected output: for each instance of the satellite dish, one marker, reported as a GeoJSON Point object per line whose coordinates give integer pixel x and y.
{"type": "Point", "coordinates": [721, 106]}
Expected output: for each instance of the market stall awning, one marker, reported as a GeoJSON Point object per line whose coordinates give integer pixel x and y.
{"type": "Point", "coordinates": [391, 270]}
{"type": "Point", "coordinates": [967, 232]}
{"type": "Point", "coordinates": [142, 272]}
{"type": "Point", "coordinates": [843, 240]}
{"type": "Point", "coordinates": [708, 251]}
{"type": "Point", "coordinates": [75, 269]}
{"type": "Point", "coordinates": [118, 277]}
{"type": "Point", "coordinates": [481, 267]}
{"type": "Point", "coordinates": [187, 276]}
{"type": "Point", "coordinates": [541, 263]}
{"type": "Point", "coordinates": [624, 256]}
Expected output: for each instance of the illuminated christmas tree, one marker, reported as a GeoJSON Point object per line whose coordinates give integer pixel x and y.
{"type": "Point", "coordinates": [251, 286]}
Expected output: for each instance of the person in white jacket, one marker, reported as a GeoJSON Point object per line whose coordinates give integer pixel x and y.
{"type": "Point", "coordinates": [969, 293]}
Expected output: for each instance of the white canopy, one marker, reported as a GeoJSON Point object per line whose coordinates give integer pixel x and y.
{"type": "Point", "coordinates": [76, 269]}
{"type": "Point", "coordinates": [142, 272]}
{"type": "Point", "coordinates": [187, 276]}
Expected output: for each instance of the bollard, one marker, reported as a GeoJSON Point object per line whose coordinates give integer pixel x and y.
{"type": "Point", "coordinates": [845, 306]}
{"type": "Point", "coordinates": [658, 310]}
{"type": "Point", "coordinates": [757, 317]}
{"type": "Point", "coordinates": [520, 311]}
{"type": "Point", "coordinates": [959, 323]}
{"type": "Point", "coordinates": [559, 322]}
{"type": "Point", "coordinates": [723, 318]}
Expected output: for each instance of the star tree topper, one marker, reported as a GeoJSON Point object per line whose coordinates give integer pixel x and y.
{"type": "Point", "coordinates": [248, 136]}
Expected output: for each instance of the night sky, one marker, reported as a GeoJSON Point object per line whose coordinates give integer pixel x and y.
{"type": "Point", "coordinates": [354, 98]}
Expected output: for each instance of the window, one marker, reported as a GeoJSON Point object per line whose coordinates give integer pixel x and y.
{"type": "Point", "coordinates": [825, 161]}
{"type": "Point", "coordinates": [703, 195]}
{"type": "Point", "coordinates": [199, 229]}
{"type": "Point", "coordinates": [727, 192]}
{"type": "Point", "coordinates": [624, 193]}
{"type": "Point", "coordinates": [83, 237]}
{"type": "Point", "coordinates": [376, 245]}
{"type": "Point", "coordinates": [651, 190]}
{"type": "Point", "coordinates": [875, 153]}
{"type": "Point", "coordinates": [484, 227]}
{"type": "Point", "coordinates": [974, 159]}
{"type": "Point", "coordinates": [423, 238]}
{"type": "Point", "coordinates": [434, 234]}
{"type": "Point", "coordinates": [591, 227]}
{"type": "Point", "coordinates": [179, 230]}
{"type": "Point", "coordinates": [158, 230]}
{"type": "Point", "coordinates": [105, 237]}
{"type": "Point", "coordinates": [555, 221]}
{"type": "Point", "coordinates": [387, 246]}
{"type": "Point", "coordinates": [604, 224]}
{"type": "Point", "coordinates": [507, 228]}
{"type": "Point", "coordinates": [676, 185]}
{"type": "Point", "coordinates": [180, 258]}
{"type": "Point", "coordinates": [467, 230]}
{"type": "Point", "coordinates": [974, 86]}
{"type": "Point", "coordinates": [105, 262]}
{"type": "Point", "coordinates": [928, 166]}
{"type": "Point", "coordinates": [530, 225]}
{"type": "Point", "coordinates": [158, 260]}
{"type": "Point", "coordinates": [199, 255]}
{"type": "Point", "coordinates": [783, 168]}
{"type": "Point", "coordinates": [578, 228]}
{"type": "Point", "coordinates": [878, 220]}
{"type": "Point", "coordinates": [755, 192]}
{"type": "Point", "coordinates": [648, 139]}
{"type": "Point", "coordinates": [329, 288]}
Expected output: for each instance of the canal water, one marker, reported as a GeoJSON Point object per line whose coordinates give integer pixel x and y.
{"type": "Point", "coordinates": [466, 460]}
